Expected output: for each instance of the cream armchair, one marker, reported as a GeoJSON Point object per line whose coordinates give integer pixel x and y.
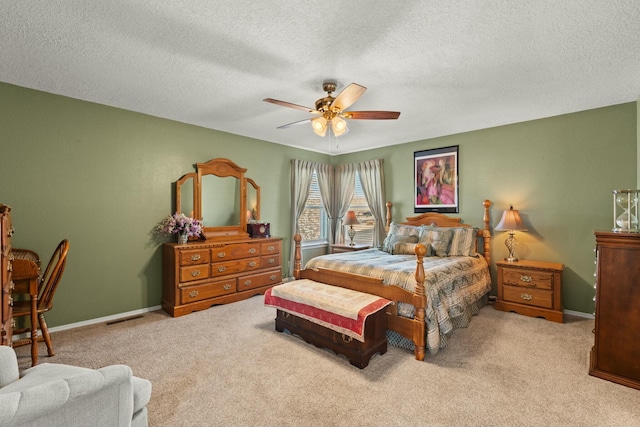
{"type": "Point", "coordinates": [61, 395]}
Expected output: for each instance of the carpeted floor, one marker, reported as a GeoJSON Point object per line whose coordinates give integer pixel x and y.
{"type": "Point", "coordinates": [226, 366]}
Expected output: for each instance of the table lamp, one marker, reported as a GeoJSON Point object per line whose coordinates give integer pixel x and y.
{"type": "Point", "coordinates": [350, 220]}
{"type": "Point", "coordinates": [511, 222]}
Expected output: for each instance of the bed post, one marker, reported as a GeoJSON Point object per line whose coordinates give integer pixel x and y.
{"type": "Point", "coordinates": [486, 231]}
{"type": "Point", "coordinates": [388, 223]}
{"type": "Point", "coordinates": [419, 336]}
{"type": "Point", "coordinates": [297, 257]}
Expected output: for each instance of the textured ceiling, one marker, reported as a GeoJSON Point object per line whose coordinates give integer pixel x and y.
{"type": "Point", "coordinates": [447, 66]}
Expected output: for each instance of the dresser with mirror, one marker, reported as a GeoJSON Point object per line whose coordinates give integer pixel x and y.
{"type": "Point", "coordinates": [227, 265]}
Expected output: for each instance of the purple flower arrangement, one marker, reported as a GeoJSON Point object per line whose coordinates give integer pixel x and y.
{"type": "Point", "coordinates": [179, 223]}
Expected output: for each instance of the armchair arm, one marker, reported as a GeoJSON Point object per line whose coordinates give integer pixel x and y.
{"type": "Point", "coordinates": [54, 394]}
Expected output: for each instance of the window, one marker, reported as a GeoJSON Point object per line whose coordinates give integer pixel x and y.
{"type": "Point", "coordinates": [358, 204]}
{"type": "Point", "coordinates": [313, 221]}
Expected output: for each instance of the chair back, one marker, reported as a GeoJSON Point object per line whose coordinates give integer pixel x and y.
{"type": "Point", "coordinates": [51, 277]}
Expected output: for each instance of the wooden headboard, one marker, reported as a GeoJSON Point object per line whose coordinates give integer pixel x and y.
{"type": "Point", "coordinates": [483, 239]}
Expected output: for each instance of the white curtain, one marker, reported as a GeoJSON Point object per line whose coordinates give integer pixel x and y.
{"type": "Point", "coordinates": [372, 181]}
{"type": "Point", "coordinates": [345, 187]}
{"type": "Point", "coordinates": [301, 175]}
{"type": "Point", "coordinates": [326, 184]}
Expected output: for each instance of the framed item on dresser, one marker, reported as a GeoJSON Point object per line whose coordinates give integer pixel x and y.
{"type": "Point", "coordinates": [436, 180]}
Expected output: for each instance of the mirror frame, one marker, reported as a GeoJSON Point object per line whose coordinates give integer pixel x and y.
{"type": "Point", "coordinates": [256, 213]}
{"type": "Point", "coordinates": [179, 184]}
{"type": "Point", "coordinates": [222, 168]}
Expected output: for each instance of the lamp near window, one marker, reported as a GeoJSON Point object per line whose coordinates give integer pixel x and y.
{"type": "Point", "coordinates": [351, 220]}
{"type": "Point", "coordinates": [511, 222]}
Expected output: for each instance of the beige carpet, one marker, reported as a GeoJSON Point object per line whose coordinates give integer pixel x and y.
{"type": "Point", "coordinates": [226, 366]}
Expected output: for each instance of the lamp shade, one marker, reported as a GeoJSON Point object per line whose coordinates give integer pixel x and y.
{"type": "Point", "coordinates": [351, 218]}
{"type": "Point", "coordinates": [510, 221]}
{"type": "Point", "coordinates": [319, 125]}
{"type": "Point", "coordinates": [339, 126]}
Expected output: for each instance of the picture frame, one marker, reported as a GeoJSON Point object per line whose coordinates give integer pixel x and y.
{"type": "Point", "coordinates": [436, 180]}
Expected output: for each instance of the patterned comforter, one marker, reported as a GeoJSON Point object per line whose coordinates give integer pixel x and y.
{"type": "Point", "coordinates": [456, 287]}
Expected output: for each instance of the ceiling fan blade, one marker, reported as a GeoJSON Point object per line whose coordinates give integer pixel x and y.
{"type": "Point", "coordinates": [291, 105]}
{"type": "Point", "coordinates": [299, 122]}
{"type": "Point", "coordinates": [348, 96]}
{"type": "Point", "coordinates": [371, 115]}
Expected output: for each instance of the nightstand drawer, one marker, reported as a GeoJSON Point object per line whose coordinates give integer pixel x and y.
{"type": "Point", "coordinates": [528, 296]}
{"type": "Point", "coordinates": [528, 278]}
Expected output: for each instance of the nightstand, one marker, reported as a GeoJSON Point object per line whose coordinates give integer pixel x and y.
{"type": "Point", "coordinates": [532, 288]}
{"type": "Point", "coordinates": [338, 248]}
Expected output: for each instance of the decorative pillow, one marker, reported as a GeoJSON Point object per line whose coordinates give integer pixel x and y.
{"type": "Point", "coordinates": [438, 237]}
{"type": "Point", "coordinates": [402, 248]}
{"type": "Point", "coordinates": [395, 239]}
{"type": "Point", "coordinates": [463, 241]}
{"type": "Point", "coordinates": [399, 230]}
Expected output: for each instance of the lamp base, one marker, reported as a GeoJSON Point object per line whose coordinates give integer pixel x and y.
{"type": "Point", "coordinates": [511, 259]}
{"type": "Point", "coordinates": [352, 234]}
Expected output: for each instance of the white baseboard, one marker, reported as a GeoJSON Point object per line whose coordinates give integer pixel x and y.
{"type": "Point", "coordinates": [105, 319]}
{"type": "Point", "coordinates": [579, 314]}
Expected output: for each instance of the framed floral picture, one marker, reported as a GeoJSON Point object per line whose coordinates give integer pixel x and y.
{"type": "Point", "coordinates": [436, 180]}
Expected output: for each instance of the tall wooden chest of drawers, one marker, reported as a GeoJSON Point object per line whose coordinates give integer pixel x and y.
{"type": "Point", "coordinates": [532, 288]}
{"type": "Point", "coordinates": [197, 275]}
{"type": "Point", "coordinates": [615, 355]}
{"type": "Point", "coordinates": [6, 284]}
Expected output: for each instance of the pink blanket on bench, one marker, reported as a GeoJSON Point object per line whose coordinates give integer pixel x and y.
{"type": "Point", "coordinates": [342, 310]}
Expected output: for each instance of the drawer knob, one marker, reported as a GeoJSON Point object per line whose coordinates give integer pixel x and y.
{"type": "Point", "coordinates": [227, 287]}
{"type": "Point", "coordinates": [193, 294]}
{"type": "Point", "coordinates": [252, 264]}
{"type": "Point", "coordinates": [526, 279]}
{"type": "Point", "coordinates": [195, 257]}
{"type": "Point", "coordinates": [271, 261]}
{"type": "Point", "coordinates": [195, 273]}
{"type": "Point", "coordinates": [252, 250]}
{"type": "Point", "coordinates": [221, 254]}
{"type": "Point", "coordinates": [285, 314]}
{"type": "Point", "coordinates": [271, 248]}
{"type": "Point", "coordinates": [346, 338]}
{"type": "Point", "coordinates": [247, 282]}
{"type": "Point", "coordinates": [273, 277]}
{"type": "Point", "coordinates": [11, 301]}
{"type": "Point", "coordinates": [526, 297]}
{"type": "Point", "coordinates": [221, 269]}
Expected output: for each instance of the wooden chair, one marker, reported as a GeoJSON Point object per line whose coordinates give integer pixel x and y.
{"type": "Point", "coordinates": [46, 289]}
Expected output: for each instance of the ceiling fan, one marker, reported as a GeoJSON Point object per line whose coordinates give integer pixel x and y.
{"type": "Point", "coordinates": [331, 110]}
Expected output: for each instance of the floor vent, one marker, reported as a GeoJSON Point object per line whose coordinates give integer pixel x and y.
{"type": "Point", "coordinates": [124, 319]}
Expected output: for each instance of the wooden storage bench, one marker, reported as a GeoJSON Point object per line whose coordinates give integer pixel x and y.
{"type": "Point", "coordinates": [349, 322]}
{"type": "Point", "coordinates": [358, 353]}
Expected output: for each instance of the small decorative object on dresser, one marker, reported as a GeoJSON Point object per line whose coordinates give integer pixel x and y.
{"type": "Point", "coordinates": [259, 229]}
{"type": "Point", "coordinates": [532, 288]}
{"type": "Point", "coordinates": [627, 201]}
{"type": "Point", "coordinates": [615, 353]}
{"type": "Point", "coordinates": [182, 226]}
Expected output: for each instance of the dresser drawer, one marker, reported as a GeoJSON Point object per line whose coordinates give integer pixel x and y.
{"type": "Point", "coordinates": [261, 279]}
{"type": "Point", "coordinates": [195, 256]}
{"type": "Point", "coordinates": [268, 248]}
{"type": "Point", "coordinates": [270, 261]}
{"type": "Point", "coordinates": [232, 267]}
{"type": "Point", "coordinates": [194, 272]}
{"type": "Point", "coordinates": [528, 278]}
{"type": "Point", "coordinates": [235, 251]}
{"type": "Point", "coordinates": [209, 290]}
{"type": "Point", "coordinates": [528, 296]}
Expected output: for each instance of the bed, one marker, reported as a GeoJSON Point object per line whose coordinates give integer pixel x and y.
{"type": "Point", "coordinates": [433, 266]}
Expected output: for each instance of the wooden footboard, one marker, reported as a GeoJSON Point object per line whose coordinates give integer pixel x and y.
{"type": "Point", "coordinates": [413, 329]}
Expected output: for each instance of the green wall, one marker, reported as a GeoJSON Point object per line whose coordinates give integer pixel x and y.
{"type": "Point", "coordinates": [558, 172]}
{"type": "Point", "coordinates": [102, 177]}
